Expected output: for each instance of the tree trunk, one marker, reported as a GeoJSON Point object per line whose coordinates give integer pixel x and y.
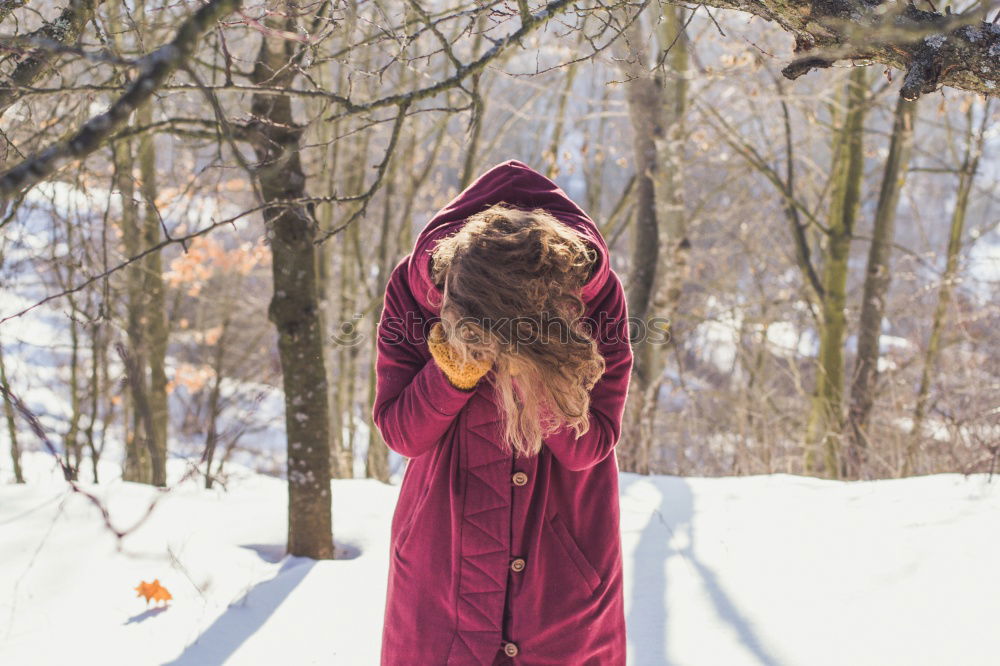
{"type": "Point", "coordinates": [72, 446]}
{"type": "Point", "coordinates": [825, 423]}
{"type": "Point", "coordinates": [659, 243]}
{"type": "Point", "coordinates": [377, 458]}
{"type": "Point", "coordinates": [294, 308]}
{"type": "Point", "coordinates": [8, 410]}
{"type": "Point", "coordinates": [395, 238]}
{"type": "Point", "coordinates": [475, 131]}
{"type": "Point", "coordinates": [478, 110]}
{"type": "Point", "coordinates": [154, 310]}
{"type": "Point", "coordinates": [552, 153]}
{"type": "Point", "coordinates": [214, 402]}
{"type": "Point", "coordinates": [138, 463]}
{"type": "Point", "coordinates": [876, 287]}
{"type": "Point", "coordinates": [95, 389]}
{"type": "Point", "coordinates": [967, 176]}
{"type": "Point", "coordinates": [327, 286]}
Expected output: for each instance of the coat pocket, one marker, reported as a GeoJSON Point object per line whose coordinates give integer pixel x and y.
{"type": "Point", "coordinates": [404, 532]}
{"type": "Point", "coordinates": [579, 559]}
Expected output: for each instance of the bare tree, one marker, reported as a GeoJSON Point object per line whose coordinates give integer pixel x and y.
{"type": "Point", "coordinates": [657, 105]}
{"type": "Point", "coordinates": [967, 175]}
{"type": "Point", "coordinates": [294, 307]}
{"type": "Point", "coordinates": [876, 287]}
{"type": "Point", "coordinates": [825, 425]}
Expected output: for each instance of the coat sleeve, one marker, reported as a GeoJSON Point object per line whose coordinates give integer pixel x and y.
{"type": "Point", "coordinates": [608, 396]}
{"type": "Point", "coordinates": [414, 401]}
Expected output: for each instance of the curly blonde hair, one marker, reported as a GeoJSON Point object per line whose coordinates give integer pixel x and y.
{"type": "Point", "coordinates": [511, 282]}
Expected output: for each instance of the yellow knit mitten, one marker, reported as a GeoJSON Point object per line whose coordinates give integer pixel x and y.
{"type": "Point", "coordinates": [463, 376]}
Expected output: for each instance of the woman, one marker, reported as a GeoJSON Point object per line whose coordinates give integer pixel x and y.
{"type": "Point", "coordinates": [502, 373]}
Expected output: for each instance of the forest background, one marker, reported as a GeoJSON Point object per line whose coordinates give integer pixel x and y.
{"type": "Point", "coordinates": [202, 202]}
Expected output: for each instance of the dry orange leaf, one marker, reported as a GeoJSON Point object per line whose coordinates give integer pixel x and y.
{"type": "Point", "coordinates": [153, 591]}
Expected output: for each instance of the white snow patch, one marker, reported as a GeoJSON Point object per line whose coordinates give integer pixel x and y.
{"type": "Point", "coordinates": [736, 571]}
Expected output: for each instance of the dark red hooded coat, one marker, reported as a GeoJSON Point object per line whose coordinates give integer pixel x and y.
{"type": "Point", "coordinates": [462, 518]}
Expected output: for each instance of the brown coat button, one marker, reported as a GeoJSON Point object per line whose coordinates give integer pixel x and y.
{"type": "Point", "coordinates": [517, 565]}
{"type": "Point", "coordinates": [510, 650]}
{"type": "Point", "coordinates": [520, 478]}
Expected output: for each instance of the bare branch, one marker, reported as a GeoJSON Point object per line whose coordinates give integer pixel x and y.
{"type": "Point", "coordinates": [500, 46]}
{"type": "Point", "coordinates": [934, 49]}
{"type": "Point", "coordinates": [60, 32]}
{"type": "Point", "coordinates": [156, 67]}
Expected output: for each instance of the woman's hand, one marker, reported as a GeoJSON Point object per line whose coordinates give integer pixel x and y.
{"type": "Point", "coordinates": [464, 376]}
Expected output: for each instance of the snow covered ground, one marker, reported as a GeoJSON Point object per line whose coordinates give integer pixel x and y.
{"type": "Point", "coordinates": [755, 570]}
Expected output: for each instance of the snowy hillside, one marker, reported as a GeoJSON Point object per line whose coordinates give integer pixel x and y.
{"type": "Point", "coordinates": [754, 570]}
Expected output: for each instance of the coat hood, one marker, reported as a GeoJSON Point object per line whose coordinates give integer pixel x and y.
{"type": "Point", "coordinates": [518, 185]}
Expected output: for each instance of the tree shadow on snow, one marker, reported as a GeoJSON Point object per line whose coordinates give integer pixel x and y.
{"type": "Point", "coordinates": [647, 617]}
{"type": "Point", "coordinates": [244, 617]}
{"type": "Point", "coordinates": [269, 552]}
